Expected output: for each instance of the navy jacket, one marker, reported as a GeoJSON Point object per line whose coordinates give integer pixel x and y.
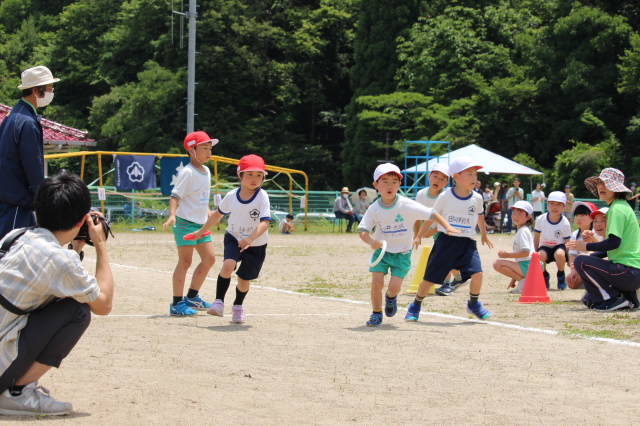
{"type": "Point", "coordinates": [21, 156]}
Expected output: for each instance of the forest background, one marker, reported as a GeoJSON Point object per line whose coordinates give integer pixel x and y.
{"type": "Point", "coordinates": [332, 87]}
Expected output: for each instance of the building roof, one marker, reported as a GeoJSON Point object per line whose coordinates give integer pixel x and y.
{"type": "Point", "coordinates": [57, 137]}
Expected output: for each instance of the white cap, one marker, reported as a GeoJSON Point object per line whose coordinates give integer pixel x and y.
{"type": "Point", "coordinates": [523, 205]}
{"type": "Point", "coordinates": [37, 76]}
{"type": "Point", "coordinates": [385, 168]}
{"type": "Point", "coordinates": [558, 197]}
{"type": "Point", "coordinates": [463, 163]}
{"type": "Point", "coordinates": [440, 167]}
{"type": "Point", "coordinates": [496, 184]}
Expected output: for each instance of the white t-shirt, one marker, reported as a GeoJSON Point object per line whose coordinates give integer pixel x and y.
{"type": "Point", "coordinates": [575, 237]}
{"type": "Point", "coordinates": [394, 223]}
{"type": "Point", "coordinates": [192, 189]}
{"type": "Point", "coordinates": [552, 234]}
{"type": "Point", "coordinates": [425, 199]}
{"type": "Point", "coordinates": [537, 204]}
{"type": "Point", "coordinates": [512, 198]}
{"type": "Point", "coordinates": [461, 213]}
{"type": "Point", "coordinates": [523, 242]}
{"type": "Point", "coordinates": [246, 215]}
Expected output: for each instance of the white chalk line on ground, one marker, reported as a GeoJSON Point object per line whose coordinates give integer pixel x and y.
{"type": "Point", "coordinates": [360, 302]}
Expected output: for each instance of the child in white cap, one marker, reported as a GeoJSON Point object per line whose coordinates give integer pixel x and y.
{"type": "Point", "coordinates": [552, 230]}
{"type": "Point", "coordinates": [516, 269]}
{"type": "Point", "coordinates": [393, 218]}
{"type": "Point", "coordinates": [462, 208]}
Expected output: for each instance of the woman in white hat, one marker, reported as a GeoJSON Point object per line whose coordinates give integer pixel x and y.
{"type": "Point", "coordinates": [611, 284]}
{"type": "Point", "coordinates": [21, 150]}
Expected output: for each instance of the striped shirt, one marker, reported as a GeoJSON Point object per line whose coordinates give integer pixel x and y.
{"type": "Point", "coordinates": [36, 271]}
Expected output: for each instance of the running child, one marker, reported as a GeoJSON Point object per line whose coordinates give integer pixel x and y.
{"type": "Point", "coordinates": [246, 237]}
{"type": "Point", "coordinates": [188, 210]}
{"type": "Point", "coordinates": [551, 231]}
{"type": "Point", "coordinates": [462, 208]}
{"type": "Point", "coordinates": [521, 216]}
{"type": "Point", "coordinates": [611, 284]}
{"type": "Point", "coordinates": [393, 217]}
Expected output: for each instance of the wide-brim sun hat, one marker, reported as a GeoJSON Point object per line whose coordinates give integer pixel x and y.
{"type": "Point", "coordinates": [523, 205]}
{"type": "Point", "coordinates": [385, 168]}
{"type": "Point", "coordinates": [345, 190]}
{"type": "Point", "coordinates": [194, 139]}
{"type": "Point", "coordinates": [463, 163]}
{"type": "Point", "coordinates": [252, 163]}
{"type": "Point", "coordinates": [37, 76]}
{"type": "Point", "coordinates": [613, 180]}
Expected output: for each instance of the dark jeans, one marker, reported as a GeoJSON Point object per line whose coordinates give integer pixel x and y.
{"type": "Point", "coordinates": [351, 218]}
{"type": "Point", "coordinates": [604, 279]}
{"type": "Point", "coordinates": [48, 337]}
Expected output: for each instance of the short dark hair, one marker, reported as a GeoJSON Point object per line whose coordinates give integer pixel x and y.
{"type": "Point", "coordinates": [289, 216]}
{"type": "Point", "coordinates": [61, 202]}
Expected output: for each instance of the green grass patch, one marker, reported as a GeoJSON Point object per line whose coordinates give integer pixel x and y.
{"type": "Point", "coordinates": [619, 319]}
{"type": "Point", "coordinates": [318, 286]}
{"type": "Point", "coordinates": [606, 334]}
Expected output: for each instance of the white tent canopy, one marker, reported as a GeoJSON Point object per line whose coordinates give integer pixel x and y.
{"type": "Point", "coordinates": [493, 163]}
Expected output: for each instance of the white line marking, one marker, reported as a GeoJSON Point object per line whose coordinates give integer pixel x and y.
{"type": "Point", "coordinates": [433, 314]}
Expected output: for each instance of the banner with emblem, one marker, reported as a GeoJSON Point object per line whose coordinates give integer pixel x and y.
{"type": "Point", "coordinates": [135, 172]}
{"type": "Point", "coordinates": [169, 169]}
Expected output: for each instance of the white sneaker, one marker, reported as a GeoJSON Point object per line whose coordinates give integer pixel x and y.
{"type": "Point", "coordinates": [237, 314]}
{"type": "Point", "coordinates": [519, 288]}
{"type": "Point", "coordinates": [217, 308]}
{"type": "Point", "coordinates": [34, 400]}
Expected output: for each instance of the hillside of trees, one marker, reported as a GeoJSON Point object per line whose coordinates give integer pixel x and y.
{"type": "Point", "coordinates": [332, 87]}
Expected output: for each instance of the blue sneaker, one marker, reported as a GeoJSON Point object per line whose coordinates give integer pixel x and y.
{"type": "Point", "coordinates": [413, 312]}
{"type": "Point", "coordinates": [478, 310]}
{"type": "Point", "coordinates": [375, 320]}
{"type": "Point", "coordinates": [546, 279]}
{"type": "Point", "coordinates": [562, 283]}
{"type": "Point", "coordinates": [391, 306]}
{"type": "Point", "coordinates": [181, 310]}
{"type": "Point", "coordinates": [197, 303]}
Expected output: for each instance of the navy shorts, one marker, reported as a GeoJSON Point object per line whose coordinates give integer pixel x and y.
{"type": "Point", "coordinates": [251, 259]}
{"type": "Point", "coordinates": [452, 253]}
{"type": "Point", "coordinates": [552, 250]}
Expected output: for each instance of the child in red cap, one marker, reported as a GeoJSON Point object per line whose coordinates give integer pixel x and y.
{"type": "Point", "coordinates": [188, 210]}
{"type": "Point", "coordinates": [246, 237]}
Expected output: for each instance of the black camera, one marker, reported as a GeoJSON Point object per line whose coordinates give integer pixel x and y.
{"type": "Point", "coordinates": [83, 234]}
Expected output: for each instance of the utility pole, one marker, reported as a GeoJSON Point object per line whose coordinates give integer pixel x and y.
{"type": "Point", "coordinates": [192, 14]}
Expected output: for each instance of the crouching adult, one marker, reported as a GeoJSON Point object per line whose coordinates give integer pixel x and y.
{"type": "Point", "coordinates": [41, 277]}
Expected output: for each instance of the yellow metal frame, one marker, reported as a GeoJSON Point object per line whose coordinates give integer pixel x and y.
{"type": "Point", "coordinates": [215, 158]}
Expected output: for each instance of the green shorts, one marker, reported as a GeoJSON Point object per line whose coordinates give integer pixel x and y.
{"type": "Point", "coordinates": [524, 266]}
{"type": "Point", "coordinates": [399, 263]}
{"type": "Point", "coordinates": [184, 227]}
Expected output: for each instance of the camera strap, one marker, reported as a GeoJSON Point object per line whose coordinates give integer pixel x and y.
{"type": "Point", "coordinates": [5, 245]}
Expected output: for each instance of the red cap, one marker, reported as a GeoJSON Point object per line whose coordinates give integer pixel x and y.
{"type": "Point", "coordinates": [251, 163]}
{"type": "Point", "coordinates": [194, 139]}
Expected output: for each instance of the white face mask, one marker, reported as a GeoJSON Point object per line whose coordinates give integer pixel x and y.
{"type": "Point", "coordinates": [46, 100]}
{"type": "Point", "coordinates": [345, 196]}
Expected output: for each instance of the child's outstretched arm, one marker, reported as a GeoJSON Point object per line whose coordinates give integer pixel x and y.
{"type": "Point", "coordinates": [212, 220]}
{"type": "Point", "coordinates": [366, 237]}
{"type": "Point", "coordinates": [173, 206]}
{"type": "Point", "coordinates": [483, 231]}
{"type": "Point", "coordinates": [246, 242]}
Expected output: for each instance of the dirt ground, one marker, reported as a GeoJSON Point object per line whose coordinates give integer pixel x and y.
{"type": "Point", "coordinates": [305, 356]}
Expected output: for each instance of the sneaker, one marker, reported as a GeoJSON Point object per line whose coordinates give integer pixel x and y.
{"type": "Point", "coordinates": [375, 320]}
{"type": "Point", "coordinates": [197, 303]}
{"type": "Point", "coordinates": [632, 297]}
{"type": "Point", "coordinates": [413, 312]}
{"type": "Point", "coordinates": [445, 290]}
{"type": "Point", "coordinates": [391, 306]}
{"type": "Point", "coordinates": [518, 289]}
{"type": "Point", "coordinates": [478, 310]}
{"type": "Point", "coordinates": [237, 314]}
{"type": "Point", "coordinates": [217, 308]}
{"type": "Point", "coordinates": [181, 310]}
{"type": "Point", "coordinates": [612, 304]}
{"type": "Point", "coordinates": [34, 400]}
{"type": "Point", "coordinates": [586, 301]}
{"type": "Point", "coordinates": [546, 279]}
{"type": "Point", "coordinates": [562, 283]}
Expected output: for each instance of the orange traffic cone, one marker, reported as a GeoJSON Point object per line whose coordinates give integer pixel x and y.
{"type": "Point", "coordinates": [535, 290]}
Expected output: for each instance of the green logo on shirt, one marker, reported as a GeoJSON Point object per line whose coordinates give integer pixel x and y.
{"type": "Point", "coordinates": [399, 218]}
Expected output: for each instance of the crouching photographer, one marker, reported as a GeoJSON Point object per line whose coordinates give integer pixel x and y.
{"type": "Point", "coordinates": [47, 296]}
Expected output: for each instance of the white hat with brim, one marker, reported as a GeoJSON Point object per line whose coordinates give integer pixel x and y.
{"type": "Point", "coordinates": [386, 168]}
{"type": "Point", "coordinates": [523, 205]}
{"type": "Point", "coordinates": [37, 76]}
{"type": "Point", "coordinates": [558, 197]}
{"type": "Point", "coordinates": [442, 168]}
{"type": "Point", "coordinates": [463, 163]}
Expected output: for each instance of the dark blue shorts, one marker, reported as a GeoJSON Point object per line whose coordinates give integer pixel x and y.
{"type": "Point", "coordinates": [251, 259]}
{"type": "Point", "coordinates": [14, 217]}
{"type": "Point", "coordinates": [452, 253]}
{"type": "Point", "coordinates": [551, 251]}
